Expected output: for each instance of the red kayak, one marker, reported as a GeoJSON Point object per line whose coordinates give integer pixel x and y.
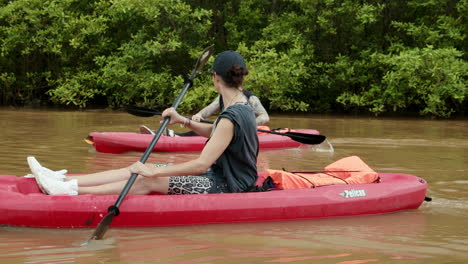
{"type": "Point", "coordinates": [23, 204]}
{"type": "Point", "coordinates": [119, 142]}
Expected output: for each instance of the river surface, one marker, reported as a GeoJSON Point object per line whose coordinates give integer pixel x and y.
{"type": "Point", "coordinates": [435, 150]}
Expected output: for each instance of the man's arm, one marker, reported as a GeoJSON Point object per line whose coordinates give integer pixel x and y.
{"type": "Point", "coordinates": [261, 115]}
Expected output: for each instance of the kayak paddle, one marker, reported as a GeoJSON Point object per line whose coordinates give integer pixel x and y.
{"type": "Point", "coordinates": [142, 112]}
{"type": "Point", "coordinates": [303, 138]}
{"type": "Point", "coordinates": [114, 209]}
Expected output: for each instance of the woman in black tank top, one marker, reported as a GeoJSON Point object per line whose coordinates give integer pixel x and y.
{"type": "Point", "coordinates": [232, 145]}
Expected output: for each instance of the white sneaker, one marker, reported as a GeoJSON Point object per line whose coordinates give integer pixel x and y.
{"type": "Point", "coordinates": [62, 172]}
{"type": "Point", "coordinates": [170, 132]}
{"type": "Point", "coordinates": [35, 166]}
{"type": "Point", "coordinates": [51, 186]}
{"type": "Point", "coordinates": [48, 181]}
{"type": "Point", "coordinates": [146, 130]}
{"type": "Point", "coordinates": [54, 187]}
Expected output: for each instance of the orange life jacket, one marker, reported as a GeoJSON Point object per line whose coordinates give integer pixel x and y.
{"type": "Point", "coordinates": [350, 170]}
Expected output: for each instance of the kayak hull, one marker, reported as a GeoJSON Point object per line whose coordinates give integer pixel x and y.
{"type": "Point", "coordinates": [22, 204]}
{"type": "Point", "coordinates": [119, 142]}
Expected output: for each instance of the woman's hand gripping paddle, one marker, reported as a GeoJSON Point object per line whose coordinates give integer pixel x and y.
{"type": "Point", "coordinates": [114, 209]}
{"type": "Point", "coordinates": [303, 138]}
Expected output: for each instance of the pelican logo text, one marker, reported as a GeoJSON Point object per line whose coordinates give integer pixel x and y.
{"type": "Point", "coordinates": [353, 193]}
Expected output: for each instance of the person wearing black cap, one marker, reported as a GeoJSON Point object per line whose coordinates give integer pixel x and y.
{"type": "Point", "coordinates": [261, 115]}
{"type": "Point", "coordinates": [220, 67]}
{"type": "Point", "coordinates": [227, 163]}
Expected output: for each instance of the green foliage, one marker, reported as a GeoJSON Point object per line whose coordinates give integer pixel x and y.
{"type": "Point", "coordinates": [276, 76]}
{"type": "Point", "coordinates": [201, 94]}
{"type": "Point", "coordinates": [128, 51]}
{"type": "Point", "coordinates": [303, 55]}
{"type": "Point", "coordinates": [432, 81]}
{"type": "Point", "coordinates": [248, 22]}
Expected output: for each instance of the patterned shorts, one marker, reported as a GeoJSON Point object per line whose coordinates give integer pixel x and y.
{"type": "Point", "coordinates": [194, 184]}
{"type": "Point", "coordinates": [198, 184]}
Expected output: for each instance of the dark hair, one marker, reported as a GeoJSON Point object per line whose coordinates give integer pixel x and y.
{"type": "Point", "coordinates": [235, 76]}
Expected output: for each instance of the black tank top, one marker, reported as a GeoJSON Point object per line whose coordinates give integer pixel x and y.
{"type": "Point", "coordinates": [237, 166]}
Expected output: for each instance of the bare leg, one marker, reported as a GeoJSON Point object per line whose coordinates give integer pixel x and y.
{"type": "Point", "coordinates": [142, 185]}
{"type": "Point", "coordinates": [103, 177]}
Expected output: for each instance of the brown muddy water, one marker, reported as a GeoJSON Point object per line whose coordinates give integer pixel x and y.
{"type": "Point", "coordinates": [432, 149]}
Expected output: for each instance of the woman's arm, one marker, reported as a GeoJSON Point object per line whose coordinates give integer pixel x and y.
{"type": "Point", "coordinates": [261, 115]}
{"type": "Point", "coordinates": [201, 129]}
{"type": "Point", "coordinates": [213, 149]}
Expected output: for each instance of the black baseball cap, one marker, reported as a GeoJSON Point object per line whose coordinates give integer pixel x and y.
{"type": "Point", "coordinates": [225, 60]}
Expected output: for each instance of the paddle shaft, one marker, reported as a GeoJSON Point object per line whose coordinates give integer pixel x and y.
{"type": "Point", "coordinates": [150, 148]}
{"type": "Point", "coordinates": [114, 209]}
{"type": "Point", "coordinates": [198, 67]}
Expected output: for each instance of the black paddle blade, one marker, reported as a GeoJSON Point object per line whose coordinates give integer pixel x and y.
{"type": "Point", "coordinates": [142, 112]}
{"type": "Point", "coordinates": [306, 138]}
{"type": "Point", "coordinates": [103, 226]}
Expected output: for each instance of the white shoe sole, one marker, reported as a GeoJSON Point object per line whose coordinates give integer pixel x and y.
{"type": "Point", "coordinates": [36, 167]}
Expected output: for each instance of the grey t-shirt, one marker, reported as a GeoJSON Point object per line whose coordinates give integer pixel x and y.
{"type": "Point", "coordinates": [237, 166]}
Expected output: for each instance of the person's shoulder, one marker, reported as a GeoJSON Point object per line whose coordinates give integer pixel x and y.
{"type": "Point", "coordinates": [237, 108]}
{"type": "Point", "coordinates": [242, 105]}
{"type": "Point", "coordinates": [253, 97]}
{"type": "Point", "coordinates": [248, 93]}
{"type": "Point", "coordinates": [243, 108]}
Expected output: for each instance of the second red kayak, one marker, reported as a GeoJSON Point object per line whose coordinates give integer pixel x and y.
{"type": "Point", "coordinates": [119, 142]}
